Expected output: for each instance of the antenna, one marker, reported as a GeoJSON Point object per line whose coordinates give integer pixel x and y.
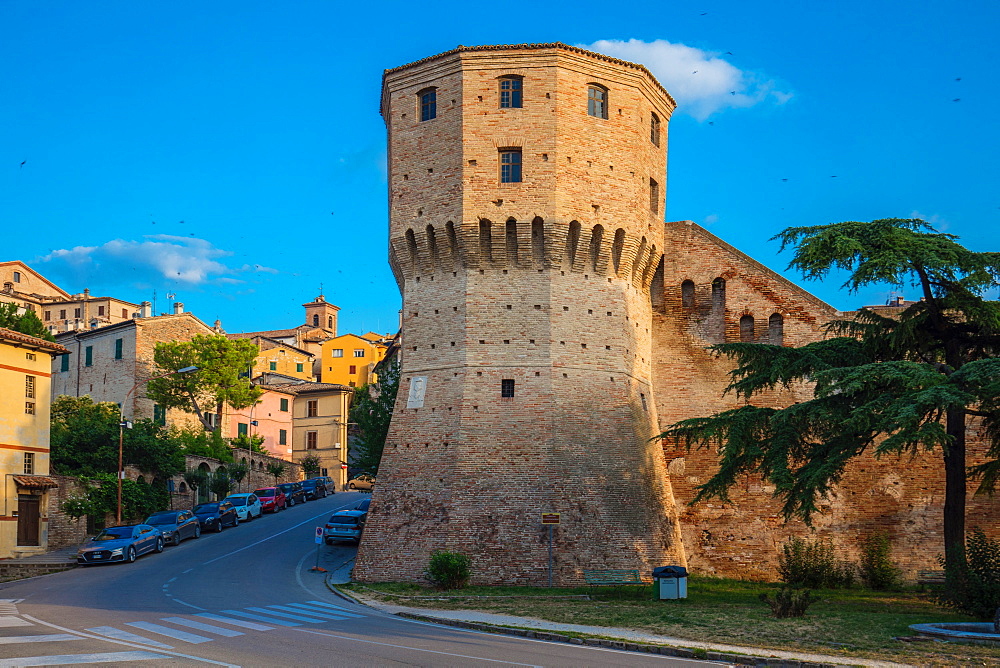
{"type": "Point", "coordinates": [154, 302]}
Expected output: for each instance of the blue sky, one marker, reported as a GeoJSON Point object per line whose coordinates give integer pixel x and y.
{"type": "Point", "coordinates": [232, 153]}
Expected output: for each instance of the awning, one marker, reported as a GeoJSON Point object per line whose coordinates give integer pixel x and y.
{"type": "Point", "coordinates": [35, 482]}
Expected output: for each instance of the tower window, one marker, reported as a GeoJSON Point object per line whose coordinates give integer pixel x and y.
{"type": "Point", "coordinates": [747, 329]}
{"type": "Point", "coordinates": [776, 329]}
{"type": "Point", "coordinates": [507, 388]}
{"type": "Point", "coordinates": [510, 92]}
{"type": "Point", "coordinates": [687, 294]}
{"type": "Point", "coordinates": [654, 196]}
{"type": "Point", "coordinates": [510, 165]}
{"type": "Point", "coordinates": [428, 103]}
{"type": "Point", "coordinates": [315, 320]}
{"type": "Point", "coordinates": [597, 101]}
{"type": "Point", "coordinates": [654, 129]}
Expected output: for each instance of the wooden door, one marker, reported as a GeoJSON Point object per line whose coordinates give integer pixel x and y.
{"type": "Point", "coordinates": [28, 519]}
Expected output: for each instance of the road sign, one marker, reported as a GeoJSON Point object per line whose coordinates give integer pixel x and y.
{"type": "Point", "coordinates": [319, 535]}
{"type": "Point", "coordinates": [550, 518]}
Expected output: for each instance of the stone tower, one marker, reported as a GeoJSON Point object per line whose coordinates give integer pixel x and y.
{"type": "Point", "coordinates": [526, 188]}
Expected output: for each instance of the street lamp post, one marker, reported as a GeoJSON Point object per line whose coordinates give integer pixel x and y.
{"type": "Point", "coordinates": [121, 431]}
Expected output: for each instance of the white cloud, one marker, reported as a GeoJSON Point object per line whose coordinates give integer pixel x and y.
{"type": "Point", "coordinates": [702, 82]}
{"type": "Point", "coordinates": [187, 261]}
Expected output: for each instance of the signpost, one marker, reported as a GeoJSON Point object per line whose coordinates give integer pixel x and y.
{"type": "Point", "coordinates": [319, 541]}
{"type": "Point", "coordinates": [550, 519]}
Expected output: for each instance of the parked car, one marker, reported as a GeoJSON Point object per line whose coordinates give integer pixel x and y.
{"type": "Point", "coordinates": [247, 506]}
{"type": "Point", "coordinates": [293, 492]}
{"type": "Point", "coordinates": [216, 516]}
{"type": "Point", "coordinates": [272, 499]}
{"type": "Point", "coordinates": [328, 483]}
{"type": "Point", "coordinates": [345, 525]}
{"type": "Point", "coordinates": [363, 504]}
{"type": "Point", "coordinates": [122, 543]}
{"type": "Point", "coordinates": [314, 488]}
{"type": "Point", "coordinates": [175, 525]}
{"type": "Point", "coordinates": [363, 481]}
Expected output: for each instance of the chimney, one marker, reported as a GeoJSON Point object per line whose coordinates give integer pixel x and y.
{"type": "Point", "coordinates": [86, 293]}
{"type": "Point", "coordinates": [899, 300]}
{"type": "Point", "coordinates": [178, 307]}
{"type": "Point", "coordinates": [145, 309]}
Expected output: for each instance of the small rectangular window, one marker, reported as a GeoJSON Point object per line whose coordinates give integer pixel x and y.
{"type": "Point", "coordinates": [338, 352]}
{"type": "Point", "coordinates": [88, 356]}
{"type": "Point", "coordinates": [77, 313]}
{"type": "Point", "coordinates": [29, 387]}
{"type": "Point", "coordinates": [298, 367]}
{"type": "Point", "coordinates": [359, 353]}
{"type": "Point", "coordinates": [654, 196]}
{"type": "Point", "coordinates": [125, 313]}
{"type": "Point", "coordinates": [29, 356]}
{"type": "Point", "coordinates": [118, 349]}
{"type": "Point", "coordinates": [64, 365]}
{"type": "Point", "coordinates": [62, 314]}
{"type": "Point", "coordinates": [428, 104]}
{"type": "Point", "coordinates": [48, 315]}
{"type": "Point", "coordinates": [507, 388]}
{"type": "Point", "coordinates": [654, 129]}
{"type": "Point", "coordinates": [311, 440]}
{"type": "Point", "coordinates": [272, 366]}
{"type": "Point", "coordinates": [510, 92]}
{"type": "Point", "coordinates": [597, 101]}
{"type": "Point", "coordinates": [159, 414]}
{"type": "Point", "coordinates": [282, 437]}
{"type": "Point", "coordinates": [29, 463]}
{"type": "Point", "coordinates": [100, 310]}
{"type": "Point", "coordinates": [242, 429]}
{"type": "Point", "coordinates": [17, 277]}
{"type": "Point", "coordinates": [312, 409]}
{"type": "Point", "coordinates": [510, 165]}
{"type": "Point", "coordinates": [283, 405]}
{"type": "Point", "coordinates": [352, 369]}
{"type": "Point", "coordinates": [29, 407]}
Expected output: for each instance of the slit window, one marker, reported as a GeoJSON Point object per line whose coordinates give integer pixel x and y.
{"type": "Point", "coordinates": [654, 196]}
{"type": "Point", "coordinates": [597, 101]}
{"type": "Point", "coordinates": [29, 387]}
{"type": "Point", "coordinates": [510, 165]}
{"type": "Point", "coordinates": [654, 129]}
{"type": "Point", "coordinates": [428, 103]}
{"type": "Point", "coordinates": [510, 92]}
{"type": "Point", "coordinates": [507, 388]}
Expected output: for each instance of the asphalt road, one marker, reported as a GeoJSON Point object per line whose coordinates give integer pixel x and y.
{"type": "Point", "coordinates": [246, 597]}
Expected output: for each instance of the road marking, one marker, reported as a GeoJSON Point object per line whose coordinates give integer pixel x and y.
{"type": "Point", "coordinates": [261, 618]}
{"type": "Point", "coordinates": [69, 659]}
{"type": "Point", "coordinates": [235, 622]}
{"type": "Point", "coordinates": [192, 638]}
{"type": "Point", "coordinates": [118, 634]}
{"type": "Point", "coordinates": [417, 649]}
{"type": "Point", "coordinates": [51, 637]}
{"type": "Point", "coordinates": [298, 618]}
{"type": "Point", "coordinates": [171, 579]}
{"type": "Point", "coordinates": [8, 606]}
{"type": "Point", "coordinates": [324, 615]}
{"type": "Point", "coordinates": [218, 630]}
{"type": "Point", "coordinates": [325, 605]}
{"type": "Point", "coordinates": [177, 600]}
{"type": "Point", "coordinates": [311, 608]}
{"type": "Point", "coordinates": [120, 642]}
{"type": "Point", "coordinates": [10, 620]}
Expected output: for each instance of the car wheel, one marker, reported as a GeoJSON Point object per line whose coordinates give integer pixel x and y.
{"type": "Point", "coordinates": [130, 555]}
{"type": "Point", "coordinates": [329, 541]}
{"type": "Point", "coordinates": [220, 526]}
{"type": "Point", "coordinates": [159, 545]}
{"type": "Point", "coordinates": [352, 486]}
{"type": "Point", "coordinates": [291, 502]}
{"type": "Point", "coordinates": [197, 531]}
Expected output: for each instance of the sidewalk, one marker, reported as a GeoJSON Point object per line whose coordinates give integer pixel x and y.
{"type": "Point", "coordinates": [65, 555]}
{"type": "Point", "coordinates": [627, 639]}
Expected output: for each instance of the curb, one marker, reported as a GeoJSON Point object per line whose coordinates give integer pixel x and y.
{"type": "Point", "coordinates": [751, 660]}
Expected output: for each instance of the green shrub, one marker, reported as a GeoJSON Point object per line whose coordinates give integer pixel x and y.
{"type": "Point", "coordinates": [789, 602]}
{"type": "Point", "coordinates": [803, 563]}
{"type": "Point", "coordinates": [448, 570]}
{"type": "Point", "coordinates": [878, 571]}
{"type": "Point", "coordinates": [973, 584]}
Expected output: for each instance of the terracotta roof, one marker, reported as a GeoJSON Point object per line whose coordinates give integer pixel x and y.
{"type": "Point", "coordinates": [520, 47]}
{"type": "Point", "coordinates": [305, 387]}
{"type": "Point", "coordinates": [34, 481]}
{"type": "Point", "coordinates": [269, 334]}
{"type": "Point", "coordinates": [31, 341]}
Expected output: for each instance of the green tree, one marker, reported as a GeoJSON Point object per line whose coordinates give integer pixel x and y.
{"type": "Point", "coordinates": [880, 385]}
{"type": "Point", "coordinates": [25, 323]}
{"type": "Point", "coordinates": [253, 443]}
{"type": "Point", "coordinates": [220, 379]}
{"type": "Point", "coordinates": [100, 499]}
{"type": "Point", "coordinates": [196, 479]}
{"type": "Point", "coordinates": [276, 469]}
{"type": "Point", "coordinates": [203, 443]}
{"type": "Point", "coordinates": [310, 465]}
{"type": "Point", "coordinates": [238, 472]}
{"type": "Point", "coordinates": [221, 485]}
{"type": "Point", "coordinates": [372, 412]}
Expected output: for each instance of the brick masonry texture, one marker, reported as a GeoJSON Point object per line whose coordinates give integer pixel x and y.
{"type": "Point", "coordinates": [570, 285]}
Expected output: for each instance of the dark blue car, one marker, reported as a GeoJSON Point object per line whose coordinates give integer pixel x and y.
{"type": "Point", "coordinates": [124, 543]}
{"type": "Point", "coordinates": [216, 516]}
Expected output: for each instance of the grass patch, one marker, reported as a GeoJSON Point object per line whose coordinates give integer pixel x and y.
{"type": "Point", "coordinates": [844, 622]}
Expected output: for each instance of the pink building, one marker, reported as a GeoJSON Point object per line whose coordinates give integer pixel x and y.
{"type": "Point", "coordinates": [271, 418]}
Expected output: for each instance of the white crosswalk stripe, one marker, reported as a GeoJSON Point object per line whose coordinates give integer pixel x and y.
{"type": "Point", "coordinates": [176, 634]}
{"type": "Point", "coordinates": [118, 634]}
{"type": "Point", "coordinates": [261, 618]}
{"type": "Point", "coordinates": [287, 615]}
{"type": "Point", "coordinates": [47, 637]}
{"type": "Point", "coordinates": [335, 611]}
{"type": "Point", "coordinates": [235, 622]}
{"type": "Point", "coordinates": [208, 628]}
{"type": "Point", "coordinates": [74, 659]}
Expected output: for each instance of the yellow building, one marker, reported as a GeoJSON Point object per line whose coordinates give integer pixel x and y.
{"type": "Point", "coordinates": [25, 395]}
{"type": "Point", "coordinates": [350, 359]}
{"type": "Point", "coordinates": [278, 357]}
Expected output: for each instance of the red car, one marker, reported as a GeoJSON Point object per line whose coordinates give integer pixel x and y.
{"type": "Point", "coordinates": [272, 499]}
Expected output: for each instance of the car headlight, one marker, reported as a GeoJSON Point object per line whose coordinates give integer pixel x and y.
{"type": "Point", "coordinates": [117, 553]}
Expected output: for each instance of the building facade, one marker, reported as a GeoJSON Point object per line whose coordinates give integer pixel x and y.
{"type": "Point", "coordinates": [350, 359]}
{"type": "Point", "coordinates": [25, 396]}
{"type": "Point", "coordinates": [270, 418]}
{"type": "Point", "coordinates": [526, 204]}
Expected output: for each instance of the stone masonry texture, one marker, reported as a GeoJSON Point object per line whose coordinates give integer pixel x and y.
{"type": "Point", "coordinates": [569, 284]}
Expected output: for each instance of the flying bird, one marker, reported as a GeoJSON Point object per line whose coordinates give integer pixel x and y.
{"type": "Point", "coordinates": [711, 122]}
{"type": "Point", "coordinates": [784, 179]}
{"type": "Point", "coordinates": [732, 92]}
{"type": "Point", "coordinates": [958, 78]}
{"type": "Point", "coordinates": [22, 163]}
{"type": "Point", "coordinates": [957, 99]}
{"type": "Point", "coordinates": [728, 53]}
{"type": "Point", "coordinates": [834, 176]}
{"type": "Point", "coordinates": [695, 72]}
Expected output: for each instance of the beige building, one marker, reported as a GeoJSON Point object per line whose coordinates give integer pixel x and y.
{"type": "Point", "coordinates": [281, 358]}
{"type": "Point", "coordinates": [57, 309]}
{"type": "Point", "coordinates": [25, 363]}
{"type": "Point", "coordinates": [319, 425]}
{"type": "Point", "coordinates": [113, 363]}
